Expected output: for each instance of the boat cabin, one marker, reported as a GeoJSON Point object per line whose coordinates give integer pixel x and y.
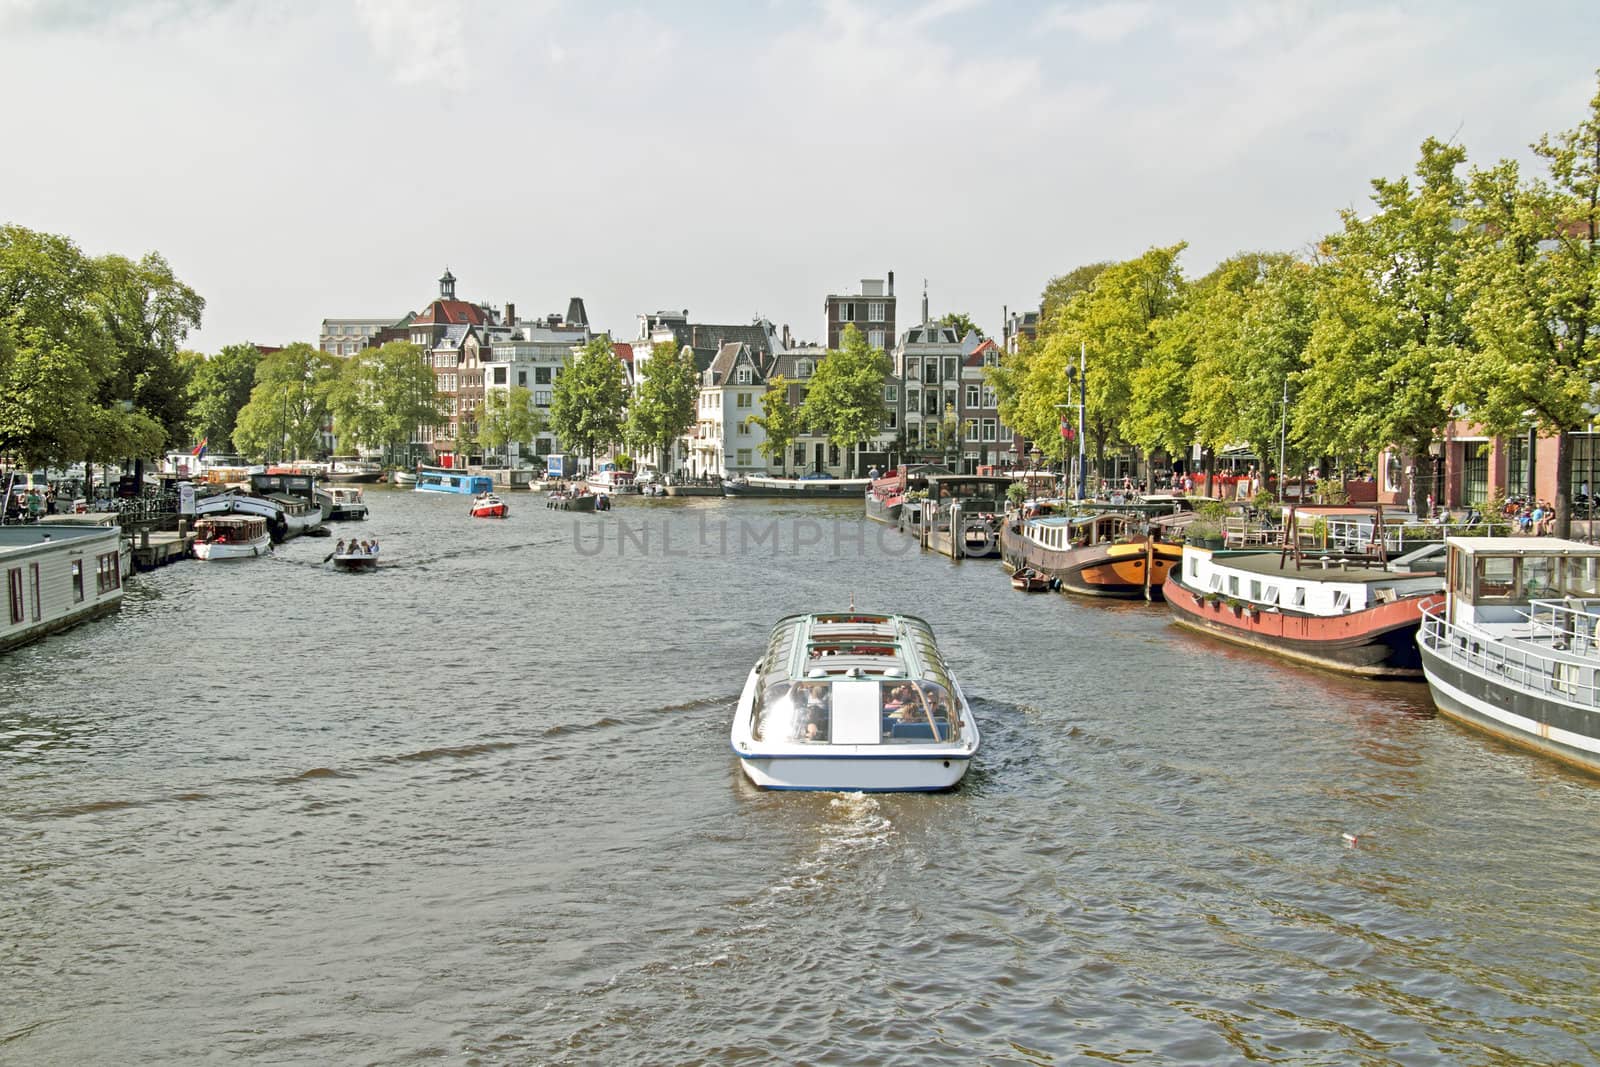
{"type": "Point", "coordinates": [296, 484]}
{"type": "Point", "coordinates": [230, 529]}
{"type": "Point", "coordinates": [452, 481]}
{"type": "Point", "coordinates": [970, 491]}
{"type": "Point", "coordinates": [1267, 580]}
{"type": "Point", "coordinates": [1060, 532]}
{"type": "Point", "coordinates": [854, 678]}
{"type": "Point", "coordinates": [1495, 579]}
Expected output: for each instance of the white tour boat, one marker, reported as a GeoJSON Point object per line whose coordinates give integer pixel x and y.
{"type": "Point", "coordinates": [231, 537]}
{"type": "Point", "coordinates": [1513, 647]}
{"type": "Point", "coordinates": [856, 702]}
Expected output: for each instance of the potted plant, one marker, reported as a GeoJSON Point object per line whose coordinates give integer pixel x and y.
{"type": "Point", "coordinates": [1016, 492]}
{"type": "Point", "coordinates": [1236, 605]}
{"type": "Point", "coordinates": [1206, 531]}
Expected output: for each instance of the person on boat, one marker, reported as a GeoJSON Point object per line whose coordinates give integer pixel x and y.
{"type": "Point", "coordinates": [338, 549]}
{"type": "Point", "coordinates": [374, 546]}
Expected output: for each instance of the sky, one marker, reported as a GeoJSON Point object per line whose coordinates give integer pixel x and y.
{"type": "Point", "coordinates": [299, 160]}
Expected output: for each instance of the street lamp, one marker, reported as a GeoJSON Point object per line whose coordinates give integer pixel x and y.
{"type": "Point", "coordinates": [1081, 379]}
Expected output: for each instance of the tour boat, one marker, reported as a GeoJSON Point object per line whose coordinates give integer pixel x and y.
{"type": "Point", "coordinates": [1107, 555]}
{"type": "Point", "coordinates": [1345, 614]}
{"type": "Point", "coordinates": [801, 488]}
{"type": "Point", "coordinates": [355, 558]}
{"type": "Point", "coordinates": [886, 496]}
{"type": "Point", "coordinates": [1513, 647]}
{"type": "Point", "coordinates": [489, 506]}
{"type": "Point", "coordinates": [231, 537]}
{"type": "Point", "coordinates": [445, 480]}
{"type": "Point", "coordinates": [342, 502]}
{"type": "Point", "coordinates": [854, 702]}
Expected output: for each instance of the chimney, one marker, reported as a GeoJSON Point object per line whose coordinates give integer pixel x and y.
{"type": "Point", "coordinates": [924, 301]}
{"type": "Point", "coordinates": [786, 335]}
{"type": "Point", "coordinates": [891, 283]}
{"type": "Point", "coordinates": [511, 313]}
{"type": "Point", "coordinates": [1005, 324]}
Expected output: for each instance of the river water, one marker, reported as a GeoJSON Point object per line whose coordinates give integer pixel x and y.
{"type": "Point", "coordinates": [479, 807]}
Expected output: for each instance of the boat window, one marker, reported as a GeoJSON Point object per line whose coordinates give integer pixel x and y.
{"type": "Point", "coordinates": [1271, 596]}
{"type": "Point", "coordinates": [1233, 584]}
{"type": "Point", "coordinates": [1582, 577]}
{"type": "Point", "coordinates": [1538, 577]}
{"type": "Point", "coordinates": [1495, 579]}
{"type": "Point", "coordinates": [1341, 600]}
{"type": "Point", "coordinates": [798, 712]}
{"type": "Point", "coordinates": [1194, 567]}
{"type": "Point", "coordinates": [1298, 600]}
{"type": "Point", "coordinates": [1255, 589]}
{"type": "Point", "coordinates": [919, 712]}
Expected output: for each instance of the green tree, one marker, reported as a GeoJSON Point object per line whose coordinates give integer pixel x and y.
{"type": "Point", "coordinates": [845, 398]}
{"type": "Point", "coordinates": [509, 415]}
{"type": "Point", "coordinates": [380, 397]}
{"type": "Point", "coordinates": [662, 408]}
{"type": "Point", "coordinates": [288, 405]}
{"type": "Point", "coordinates": [586, 401]}
{"type": "Point", "coordinates": [1063, 288]}
{"type": "Point", "coordinates": [219, 387]}
{"type": "Point", "coordinates": [147, 313]}
{"type": "Point", "coordinates": [1389, 322]}
{"type": "Point", "coordinates": [781, 419]}
{"type": "Point", "coordinates": [1533, 284]}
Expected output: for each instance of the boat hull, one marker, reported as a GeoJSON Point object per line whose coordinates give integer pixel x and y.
{"type": "Point", "coordinates": [898, 773]}
{"type": "Point", "coordinates": [355, 477]}
{"type": "Point", "coordinates": [1554, 728]}
{"type": "Point", "coordinates": [1115, 571]}
{"type": "Point", "coordinates": [694, 490]}
{"type": "Point", "coordinates": [886, 511]}
{"type": "Point", "coordinates": [355, 563]}
{"type": "Point", "coordinates": [214, 552]}
{"type": "Point", "coordinates": [494, 511]}
{"type": "Point", "coordinates": [402, 478]}
{"type": "Point", "coordinates": [576, 503]}
{"type": "Point", "coordinates": [816, 489]}
{"type": "Point", "coordinates": [1377, 642]}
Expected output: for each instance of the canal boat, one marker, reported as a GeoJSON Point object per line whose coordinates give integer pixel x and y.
{"type": "Point", "coordinates": [856, 702]}
{"type": "Point", "coordinates": [445, 480]}
{"type": "Point", "coordinates": [562, 500]}
{"type": "Point", "coordinates": [677, 488]}
{"type": "Point", "coordinates": [1513, 646]}
{"type": "Point", "coordinates": [222, 537]}
{"type": "Point", "coordinates": [1111, 554]}
{"type": "Point", "coordinates": [286, 515]}
{"type": "Point", "coordinates": [886, 496]}
{"type": "Point", "coordinates": [489, 506]}
{"type": "Point", "coordinates": [342, 502]}
{"type": "Point", "coordinates": [795, 488]}
{"type": "Point", "coordinates": [57, 576]}
{"type": "Point", "coordinates": [354, 471]}
{"type": "Point", "coordinates": [1350, 614]}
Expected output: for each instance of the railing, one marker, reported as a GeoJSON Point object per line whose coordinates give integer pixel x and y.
{"type": "Point", "coordinates": [1569, 678]}
{"type": "Point", "coordinates": [1355, 535]}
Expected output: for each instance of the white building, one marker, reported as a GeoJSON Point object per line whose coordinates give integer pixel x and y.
{"type": "Point", "coordinates": [346, 337]}
{"type": "Point", "coordinates": [725, 442]}
{"type": "Point", "coordinates": [532, 358]}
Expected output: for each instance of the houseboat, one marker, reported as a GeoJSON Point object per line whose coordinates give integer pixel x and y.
{"type": "Point", "coordinates": [853, 701]}
{"type": "Point", "coordinates": [886, 496]}
{"type": "Point", "coordinates": [57, 576]}
{"type": "Point", "coordinates": [961, 516]}
{"type": "Point", "coordinates": [795, 488]}
{"type": "Point", "coordinates": [445, 480]}
{"type": "Point", "coordinates": [342, 502]}
{"type": "Point", "coordinates": [1114, 554]}
{"type": "Point", "coordinates": [609, 479]}
{"type": "Point", "coordinates": [1346, 614]}
{"type": "Point", "coordinates": [220, 537]}
{"type": "Point", "coordinates": [287, 501]}
{"type": "Point", "coordinates": [1513, 647]}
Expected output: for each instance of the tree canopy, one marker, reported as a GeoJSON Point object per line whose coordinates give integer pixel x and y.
{"type": "Point", "coordinates": [586, 401]}
{"type": "Point", "coordinates": [845, 396]}
{"type": "Point", "coordinates": [288, 405]}
{"type": "Point", "coordinates": [509, 415]}
{"type": "Point", "coordinates": [662, 408]}
{"type": "Point", "coordinates": [218, 388]}
{"type": "Point", "coordinates": [781, 419]}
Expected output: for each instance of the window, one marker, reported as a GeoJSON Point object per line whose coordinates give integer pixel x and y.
{"type": "Point", "coordinates": [1298, 597]}
{"type": "Point", "coordinates": [14, 589]}
{"type": "Point", "coordinates": [744, 429]}
{"type": "Point", "coordinates": [800, 454]}
{"type": "Point", "coordinates": [875, 312]}
{"type": "Point", "coordinates": [989, 398]}
{"type": "Point", "coordinates": [847, 312]}
{"type": "Point", "coordinates": [541, 376]}
{"type": "Point", "coordinates": [499, 376]}
{"type": "Point", "coordinates": [972, 431]}
{"type": "Point", "coordinates": [911, 370]}
{"type": "Point", "coordinates": [108, 573]}
{"type": "Point", "coordinates": [541, 397]}
{"type": "Point", "coordinates": [988, 429]}
{"type": "Point", "coordinates": [77, 581]}
{"type": "Point", "coordinates": [744, 400]}
{"type": "Point", "coordinates": [931, 404]}
{"type": "Point", "coordinates": [804, 368]}
{"type": "Point", "coordinates": [743, 377]}
{"type": "Point", "coordinates": [833, 455]}
{"type": "Point", "coordinates": [522, 378]}
{"type": "Point", "coordinates": [972, 396]}
{"type": "Point", "coordinates": [33, 569]}
{"type": "Point", "coordinates": [874, 338]}
{"type": "Point", "coordinates": [950, 368]}
{"type": "Point", "coordinates": [930, 370]}
{"type": "Point", "coordinates": [744, 457]}
{"type": "Point", "coordinates": [892, 420]}
{"type": "Point", "coordinates": [1475, 476]}
{"type": "Point", "coordinates": [891, 393]}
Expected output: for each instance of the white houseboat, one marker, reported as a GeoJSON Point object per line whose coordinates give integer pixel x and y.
{"type": "Point", "coordinates": [853, 701]}
{"type": "Point", "coordinates": [219, 537]}
{"type": "Point", "coordinates": [1513, 647]}
{"type": "Point", "coordinates": [57, 576]}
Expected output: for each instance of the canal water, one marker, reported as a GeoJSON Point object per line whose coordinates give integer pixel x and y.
{"type": "Point", "coordinates": [479, 807]}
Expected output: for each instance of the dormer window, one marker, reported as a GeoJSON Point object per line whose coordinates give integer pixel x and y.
{"type": "Point", "coordinates": [744, 376]}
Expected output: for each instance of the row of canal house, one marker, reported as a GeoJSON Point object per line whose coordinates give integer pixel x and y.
{"type": "Point", "coordinates": [1470, 467]}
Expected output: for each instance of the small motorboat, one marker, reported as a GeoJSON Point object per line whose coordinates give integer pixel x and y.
{"type": "Point", "coordinates": [1030, 581]}
{"type": "Point", "coordinates": [489, 506]}
{"type": "Point", "coordinates": [561, 500]}
{"type": "Point", "coordinates": [356, 558]}
{"type": "Point", "coordinates": [853, 702]}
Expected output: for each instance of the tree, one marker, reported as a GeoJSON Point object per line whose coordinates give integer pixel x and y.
{"type": "Point", "coordinates": [1389, 322]}
{"type": "Point", "coordinates": [218, 388]}
{"type": "Point", "coordinates": [510, 415]}
{"type": "Point", "coordinates": [962, 323]}
{"type": "Point", "coordinates": [780, 418]}
{"type": "Point", "coordinates": [1533, 283]}
{"type": "Point", "coordinates": [147, 313]}
{"type": "Point", "coordinates": [845, 399]}
{"type": "Point", "coordinates": [288, 405]}
{"type": "Point", "coordinates": [1063, 288]}
{"type": "Point", "coordinates": [587, 398]}
{"type": "Point", "coordinates": [662, 408]}
{"type": "Point", "coordinates": [380, 397]}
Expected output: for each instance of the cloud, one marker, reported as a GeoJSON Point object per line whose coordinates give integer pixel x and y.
{"type": "Point", "coordinates": [421, 41]}
{"type": "Point", "coordinates": [1102, 23]}
{"type": "Point", "coordinates": [123, 16]}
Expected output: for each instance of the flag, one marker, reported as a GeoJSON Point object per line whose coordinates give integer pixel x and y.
{"type": "Point", "coordinates": [200, 449]}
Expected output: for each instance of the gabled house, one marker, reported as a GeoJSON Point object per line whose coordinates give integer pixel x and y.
{"type": "Point", "coordinates": [725, 442]}
{"type": "Point", "coordinates": [984, 439]}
